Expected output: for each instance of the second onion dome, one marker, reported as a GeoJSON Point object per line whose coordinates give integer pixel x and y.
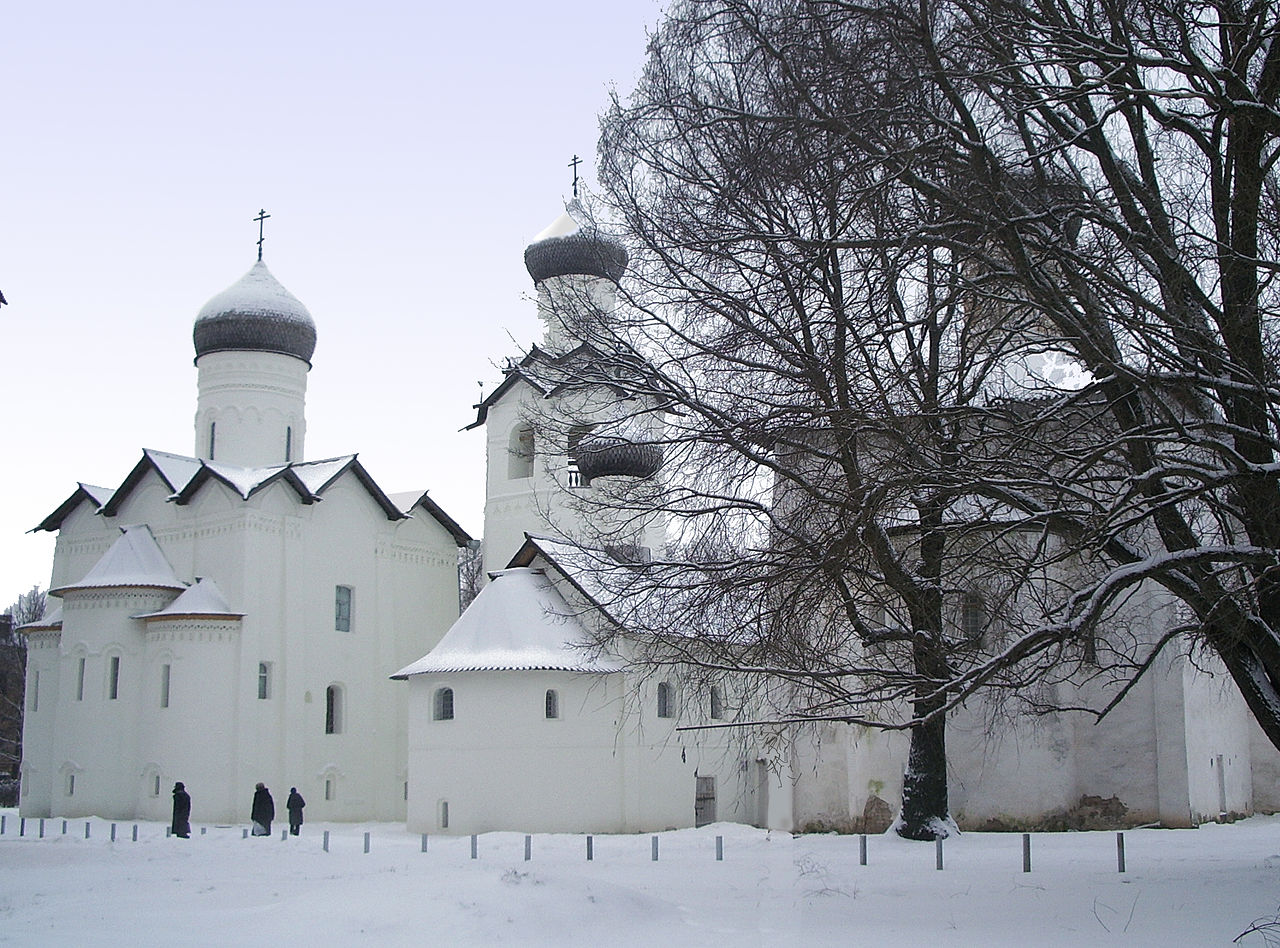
{"type": "Point", "coordinates": [573, 245]}
{"type": "Point", "coordinates": [616, 455]}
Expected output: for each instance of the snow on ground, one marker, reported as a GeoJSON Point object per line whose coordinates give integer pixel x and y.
{"type": "Point", "coordinates": [1183, 887]}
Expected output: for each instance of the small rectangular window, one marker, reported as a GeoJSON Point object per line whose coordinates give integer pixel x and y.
{"type": "Point", "coordinates": [164, 686]}
{"type": "Point", "coordinates": [342, 609]}
{"type": "Point", "coordinates": [328, 789]}
{"type": "Point", "coordinates": [717, 705]}
{"type": "Point", "coordinates": [80, 681]}
{"type": "Point", "coordinates": [444, 814]}
{"type": "Point", "coordinates": [71, 785]}
{"type": "Point", "coordinates": [113, 678]}
{"type": "Point", "coordinates": [264, 681]}
{"type": "Point", "coordinates": [155, 787]}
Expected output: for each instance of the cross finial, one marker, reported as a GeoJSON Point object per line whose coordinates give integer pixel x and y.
{"type": "Point", "coordinates": [574, 165]}
{"type": "Point", "coordinates": [262, 216]}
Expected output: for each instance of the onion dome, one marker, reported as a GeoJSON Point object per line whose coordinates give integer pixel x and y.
{"type": "Point", "coordinates": [256, 313]}
{"type": "Point", "coordinates": [614, 455]}
{"type": "Point", "coordinates": [572, 245]}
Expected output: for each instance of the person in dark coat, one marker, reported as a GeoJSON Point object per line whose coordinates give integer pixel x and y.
{"type": "Point", "coordinates": [181, 811]}
{"type": "Point", "coordinates": [294, 806]}
{"type": "Point", "coordinates": [264, 811]}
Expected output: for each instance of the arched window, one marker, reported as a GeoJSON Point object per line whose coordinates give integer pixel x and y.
{"type": "Point", "coordinates": [666, 700]}
{"type": "Point", "coordinates": [113, 678]}
{"type": "Point", "coordinates": [553, 703]}
{"type": "Point", "coordinates": [717, 705]}
{"type": "Point", "coordinates": [973, 618]}
{"type": "Point", "coordinates": [443, 705]}
{"type": "Point", "coordinates": [520, 453]}
{"type": "Point", "coordinates": [343, 597]}
{"type": "Point", "coordinates": [333, 709]}
{"type": "Point", "coordinates": [288, 444]}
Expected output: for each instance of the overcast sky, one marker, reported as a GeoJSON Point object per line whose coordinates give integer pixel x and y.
{"type": "Point", "coordinates": [406, 152]}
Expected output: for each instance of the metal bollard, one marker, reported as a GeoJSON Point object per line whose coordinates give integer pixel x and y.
{"type": "Point", "coordinates": [528, 848]}
{"type": "Point", "coordinates": [589, 853]}
{"type": "Point", "coordinates": [326, 841]}
{"type": "Point", "coordinates": [135, 832]}
{"type": "Point", "coordinates": [1026, 852]}
{"type": "Point", "coordinates": [22, 826]}
{"type": "Point", "coordinates": [366, 843]}
{"type": "Point", "coordinates": [424, 842]}
{"type": "Point", "coordinates": [655, 849]}
{"type": "Point", "coordinates": [113, 832]}
{"type": "Point", "coordinates": [938, 843]}
{"type": "Point", "coordinates": [719, 849]}
{"type": "Point", "coordinates": [42, 827]}
{"type": "Point", "coordinates": [244, 834]}
{"type": "Point", "coordinates": [1119, 852]}
{"type": "Point", "coordinates": [862, 850]}
{"type": "Point", "coordinates": [473, 846]}
{"type": "Point", "coordinates": [86, 829]}
{"type": "Point", "coordinates": [284, 834]}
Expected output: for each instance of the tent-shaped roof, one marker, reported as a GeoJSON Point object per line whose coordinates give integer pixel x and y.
{"type": "Point", "coordinates": [518, 622]}
{"type": "Point", "coordinates": [134, 560]}
{"type": "Point", "coordinates": [204, 600]}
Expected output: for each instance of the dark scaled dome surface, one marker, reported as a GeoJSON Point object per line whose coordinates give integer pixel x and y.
{"type": "Point", "coordinates": [258, 314]}
{"type": "Point", "coordinates": [569, 246]}
{"type": "Point", "coordinates": [615, 456]}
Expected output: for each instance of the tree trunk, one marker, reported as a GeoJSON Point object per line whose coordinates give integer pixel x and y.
{"type": "Point", "coordinates": [924, 784]}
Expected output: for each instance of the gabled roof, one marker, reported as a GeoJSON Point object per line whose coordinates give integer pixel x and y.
{"type": "Point", "coordinates": [204, 600]}
{"type": "Point", "coordinates": [133, 561]}
{"type": "Point", "coordinates": [408, 500]}
{"type": "Point", "coordinates": [513, 374]}
{"type": "Point", "coordinates": [83, 494]}
{"type": "Point", "coordinates": [518, 622]}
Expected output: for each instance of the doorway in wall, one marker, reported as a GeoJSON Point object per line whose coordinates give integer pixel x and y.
{"type": "Point", "coordinates": [704, 801]}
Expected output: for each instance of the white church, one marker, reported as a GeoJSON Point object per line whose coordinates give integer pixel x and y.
{"type": "Point", "coordinates": [244, 614]}
{"type": "Point", "coordinates": [231, 616]}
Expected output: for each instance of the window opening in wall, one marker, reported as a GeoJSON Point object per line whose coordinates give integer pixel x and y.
{"type": "Point", "coordinates": [666, 703]}
{"type": "Point", "coordinates": [342, 608]}
{"type": "Point", "coordinates": [704, 801]}
{"type": "Point", "coordinates": [442, 709]}
{"type": "Point", "coordinates": [288, 445]}
{"type": "Point", "coordinates": [165, 672]}
{"type": "Point", "coordinates": [444, 814]}
{"type": "Point", "coordinates": [213, 434]}
{"type": "Point", "coordinates": [113, 678]}
{"type": "Point", "coordinates": [155, 787]}
{"type": "Point", "coordinates": [333, 710]}
{"type": "Point", "coordinates": [717, 705]}
{"type": "Point", "coordinates": [576, 434]}
{"type": "Point", "coordinates": [406, 789]}
{"type": "Point", "coordinates": [553, 703]}
{"type": "Point", "coordinates": [264, 681]}
{"type": "Point", "coordinates": [71, 785]}
{"type": "Point", "coordinates": [973, 618]}
{"type": "Point", "coordinates": [80, 681]}
{"type": "Point", "coordinates": [328, 789]}
{"type": "Point", "coordinates": [35, 690]}
{"type": "Point", "coordinates": [520, 453]}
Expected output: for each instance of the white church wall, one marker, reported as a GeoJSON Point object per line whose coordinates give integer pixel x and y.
{"type": "Point", "coordinates": [256, 401]}
{"type": "Point", "coordinates": [39, 722]}
{"type": "Point", "coordinates": [1217, 736]}
{"type": "Point", "coordinates": [1265, 768]}
{"type": "Point", "coordinates": [82, 540]}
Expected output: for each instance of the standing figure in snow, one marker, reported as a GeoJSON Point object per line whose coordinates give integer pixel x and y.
{"type": "Point", "coordinates": [181, 811]}
{"type": "Point", "coordinates": [294, 806]}
{"type": "Point", "coordinates": [264, 811]}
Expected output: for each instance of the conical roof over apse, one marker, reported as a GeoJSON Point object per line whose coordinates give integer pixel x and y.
{"type": "Point", "coordinates": [571, 244]}
{"type": "Point", "coordinates": [258, 314]}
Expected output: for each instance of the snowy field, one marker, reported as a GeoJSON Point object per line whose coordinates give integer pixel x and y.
{"type": "Point", "coordinates": [1186, 887]}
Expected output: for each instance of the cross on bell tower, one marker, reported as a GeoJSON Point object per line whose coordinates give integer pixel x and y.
{"type": "Point", "coordinates": [574, 165]}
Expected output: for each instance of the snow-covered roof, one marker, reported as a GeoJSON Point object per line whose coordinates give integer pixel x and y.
{"type": "Point", "coordinates": [203, 600]}
{"type": "Point", "coordinates": [518, 622]}
{"type": "Point", "coordinates": [134, 560]}
{"type": "Point", "coordinates": [407, 501]}
{"type": "Point", "coordinates": [572, 244]}
{"type": "Point", "coordinates": [52, 619]}
{"type": "Point", "coordinates": [256, 313]}
{"type": "Point", "coordinates": [98, 497]}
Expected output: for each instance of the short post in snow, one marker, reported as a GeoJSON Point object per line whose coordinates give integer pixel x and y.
{"type": "Point", "coordinates": [655, 849]}
{"type": "Point", "coordinates": [3, 817]}
{"type": "Point", "coordinates": [326, 841]}
{"type": "Point", "coordinates": [113, 832]}
{"type": "Point", "coordinates": [719, 849]}
{"type": "Point", "coordinates": [366, 844]}
{"type": "Point", "coordinates": [938, 844]}
{"type": "Point", "coordinates": [528, 848]}
{"type": "Point", "coordinates": [135, 832]}
{"type": "Point", "coordinates": [203, 830]}
{"type": "Point", "coordinates": [1119, 852]}
{"type": "Point", "coordinates": [589, 853]}
{"type": "Point", "coordinates": [244, 833]}
{"type": "Point", "coordinates": [42, 827]}
{"type": "Point", "coordinates": [424, 842]}
{"type": "Point", "coordinates": [86, 829]}
{"type": "Point", "coordinates": [22, 826]}
{"type": "Point", "coordinates": [168, 831]}
{"type": "Point", "coordinates": [474, 853]}
{"type": "Point", "coordinates": [862, 849]}
{"type": "Point", "coordinates": [64, 827]}
{"type": "Point", "coordinates": [1026, 852]}
{"type": "Point", "coordinates": [284, 834]}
